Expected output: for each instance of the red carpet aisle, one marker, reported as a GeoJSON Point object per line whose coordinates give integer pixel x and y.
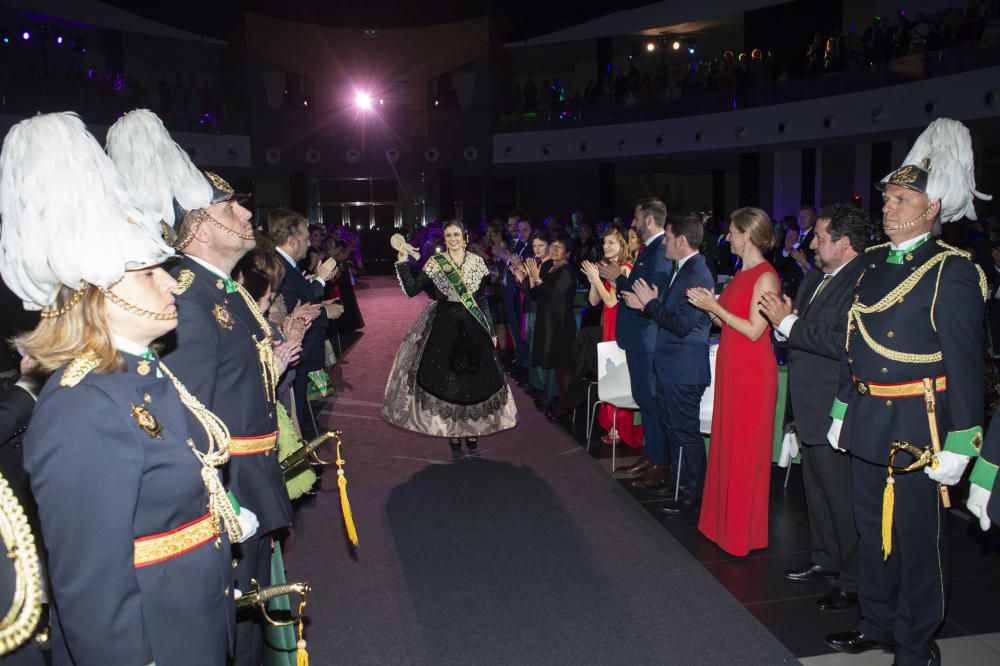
{"type": "Point", "coordinates": [529, 554]}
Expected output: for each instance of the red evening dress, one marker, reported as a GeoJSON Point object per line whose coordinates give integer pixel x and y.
{"type": "Point", "coordinates": [735, 502]}
{"type": "Point", "coordinates": [628, 432]}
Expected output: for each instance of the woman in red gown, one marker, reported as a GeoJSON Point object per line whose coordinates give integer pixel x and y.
{"type": "Point", "coordinates": [618, 251]}
{"type": "Point", "coordinates": [735, 502]}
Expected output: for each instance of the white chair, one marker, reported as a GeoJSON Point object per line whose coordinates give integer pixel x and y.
{"type": "Point", "coordinates": [614, 387]}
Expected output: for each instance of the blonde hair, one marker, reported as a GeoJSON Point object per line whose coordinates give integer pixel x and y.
{"type": "Point", "coordinates": [625, 255]}
{"type": "Point", "coordinates": [757, 224]}
{"type": "Point", "coordinates": [82, 330]}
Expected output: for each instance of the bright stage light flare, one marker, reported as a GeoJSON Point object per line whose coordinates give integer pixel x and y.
{"type": "Point", "coordinates": [363, 100]}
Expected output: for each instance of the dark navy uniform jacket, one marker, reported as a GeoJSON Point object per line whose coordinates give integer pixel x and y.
{"type": "Point", "coordinates": [213, 353]}
{"type": "Point", "coordinates": [633, 331]}
{"type": "Point", "coordinates": [101, 481]}
{"type": "Point", "coordinates": [941, 314]}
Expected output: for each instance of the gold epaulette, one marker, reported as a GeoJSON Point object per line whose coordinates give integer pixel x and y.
{"type": "Point", "coordinates": [78, 369]}
{"type": "Point", "coordinates": [184, 280]}
{"type": "Point", "coordinates": [954, 251]}
{"type": "Point", "coordinates": [876, 247]}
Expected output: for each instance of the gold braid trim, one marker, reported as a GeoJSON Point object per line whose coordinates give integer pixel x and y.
{"type": "Point", "coordinates": [217, 455]}
{"type": "Point", "coordinates": [891, 354]}
{"type": "Point", "coordinates": [876, 247]}
{"type": "Point", "coordinates": [265, 347]}
{"type": "Point", "coordinates": [78, 368]}
{"type": "Point", "coordinates": [892, 298]}
{"type": "Point", "coordinates": [21, 618]}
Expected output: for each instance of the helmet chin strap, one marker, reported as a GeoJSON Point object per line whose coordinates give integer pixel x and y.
{"type": "Point", "coordinates": [912, 223]}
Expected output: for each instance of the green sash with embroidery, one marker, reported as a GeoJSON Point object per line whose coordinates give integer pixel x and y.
{"type": "Point", "coordinates": [461, 289]}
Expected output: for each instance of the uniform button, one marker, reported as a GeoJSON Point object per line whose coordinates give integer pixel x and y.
{"type": "Point", "coordinates": [871, 266]}
{"type": "Point", "coordinates": [888, 403]}
{"type": "Point", "coordinates": [890, 334]}
{"type": "Point", "coordinates": [899, 300]}
{"type": "Point", "coordinates": [225, 592]}
{"type": "Point", "coordinates": [885, 370]}
{"type": "Point", "coordinates": [234, 563]}
{"type": "Point", "coordinates": [270, 415]}
{"type": "Point", "coordinates": [218, 543]}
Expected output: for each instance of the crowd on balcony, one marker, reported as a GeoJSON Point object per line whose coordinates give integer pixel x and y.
{"type": "Point", "coordinates": [739, 78]}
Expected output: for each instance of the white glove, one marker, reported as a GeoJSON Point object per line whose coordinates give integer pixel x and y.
{"type": "Point", "coordinates": [248, 523]}
{"type": "Point", "coordinates": [979, 497]}
{"type": "Point", "coordinates": [949, 468]}
{"type": "Point", "coordinates": [833, 434]}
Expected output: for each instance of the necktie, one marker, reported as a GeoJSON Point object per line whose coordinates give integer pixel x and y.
{"type": "Point", "coordinates": [821, 287]}
{"type": "Point", "coordinates": [230, 284]}
{"type": "Point", "coordinates": [642, 248]}
{"type": "Point", "coordinates": [899, 256]}
{"type": "Point", "coordinates": [674, 272]}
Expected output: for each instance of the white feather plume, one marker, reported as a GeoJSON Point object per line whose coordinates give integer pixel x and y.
{"type": "Point", "coordinates": [952, 180]}
{"type": "Point", "coordinates": [157, 169]}
{"type": "Point", "coordinates": [68, 215]}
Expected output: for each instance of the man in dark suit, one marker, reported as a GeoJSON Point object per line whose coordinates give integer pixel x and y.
{"type": "Point", "coordinates": [795, 260]}
{"type": "Point", "coordinates": [814, 328]}
{"type": "Point", "coordinates": [681, 357]}
{"type": "Point", "coordinates": [637, 336]}
{"type": "Point", "coordinates": [290, 233]}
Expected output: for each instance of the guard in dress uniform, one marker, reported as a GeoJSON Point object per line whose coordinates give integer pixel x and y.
{"type": "Point", "coordinates": [223, 349]}
{"type": "Point", "coordinates": [911, 396]}
{"type": "Point", "coordinates": [22, 636]}
{"type": "Point", "coordinates": [981, 502]}
{"type": "Point", "coordinates": [122, 459]}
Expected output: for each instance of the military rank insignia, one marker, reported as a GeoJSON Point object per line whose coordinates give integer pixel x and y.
{"type": "Point", "coordinates": [142, 367]}
{"type": "Point", "coordinates": [223, 316]}
{"type": "Point", "coordinates": [184, 280]}
{"type": "Point", "coordinates": [147, 421]}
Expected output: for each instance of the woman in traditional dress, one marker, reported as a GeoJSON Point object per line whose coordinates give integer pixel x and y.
{"type": "Point", "coordinates": [122, 459]}
{"type": "Point", "coordinates": [447, 380]}
{"type": "Point", "coordinates": [737, 482]}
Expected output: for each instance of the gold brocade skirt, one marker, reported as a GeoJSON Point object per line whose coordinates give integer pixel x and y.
{"type": "Point", "coordinates": [410, 406]}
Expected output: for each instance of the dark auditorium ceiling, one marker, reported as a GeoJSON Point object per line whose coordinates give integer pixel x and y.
{"type": "Point", "coordinates": [514, 20]}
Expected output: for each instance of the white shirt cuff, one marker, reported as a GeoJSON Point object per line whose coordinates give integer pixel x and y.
{"type": "Point", "coordinates": [785, 326]}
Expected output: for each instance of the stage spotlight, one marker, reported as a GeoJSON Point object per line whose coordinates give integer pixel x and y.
{"type": "Point", "coordinates": [363, 100]}
{"type": "Point", "coordinates": [676, 45]}
{"type": "Point", "coordinates": [691, 50]}
{"type": "Point", "coordinates": [25, 35]}
{"type": "Point", "coordinates": [59, 39]}
{"type": "Point", "coordinates": [650, 47]}
{"type": "Point", "coordinates": [6, 40]}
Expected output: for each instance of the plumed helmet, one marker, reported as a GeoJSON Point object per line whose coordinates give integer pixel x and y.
{"type": "Point", "coordinates": [160, 172]}
{"type": "Point", "coordinates": [68, 215]}
{"type": "Point", "coordinates": [940, 165]}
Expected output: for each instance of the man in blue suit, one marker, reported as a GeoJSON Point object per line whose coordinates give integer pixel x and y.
{"type": "Point", "coordinates": [681, 357]}
{"type": "Point", "coordinates": [290, 233]}
{"type": "Point", "coordinates": [636, 334]}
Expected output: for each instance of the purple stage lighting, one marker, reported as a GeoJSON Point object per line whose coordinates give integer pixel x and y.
{"type": "Point", "coordinates": [25, 35]}
{"type": "Point", "coordinates": [59, 39]}
{"type": "Point", "coordinates": [363, 100]}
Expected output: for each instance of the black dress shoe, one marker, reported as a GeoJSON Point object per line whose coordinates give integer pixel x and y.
{"type": "Point", "coordinates": [471, 443]}
{"type": "Point", "coordinates": [635, 470]}
{"type": "Point", "coordinates": [811, 572]}
{"type": "Point", "coordinates": [666, 491]}
{"type": "Point", "coordinates": [683, 504]}
{"type": "Point", "coordinates": [455, 443]}
{"type": "Point", "coordinates": [853, 642]}
{"type": "Point", "coordinates": [837, 600]}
